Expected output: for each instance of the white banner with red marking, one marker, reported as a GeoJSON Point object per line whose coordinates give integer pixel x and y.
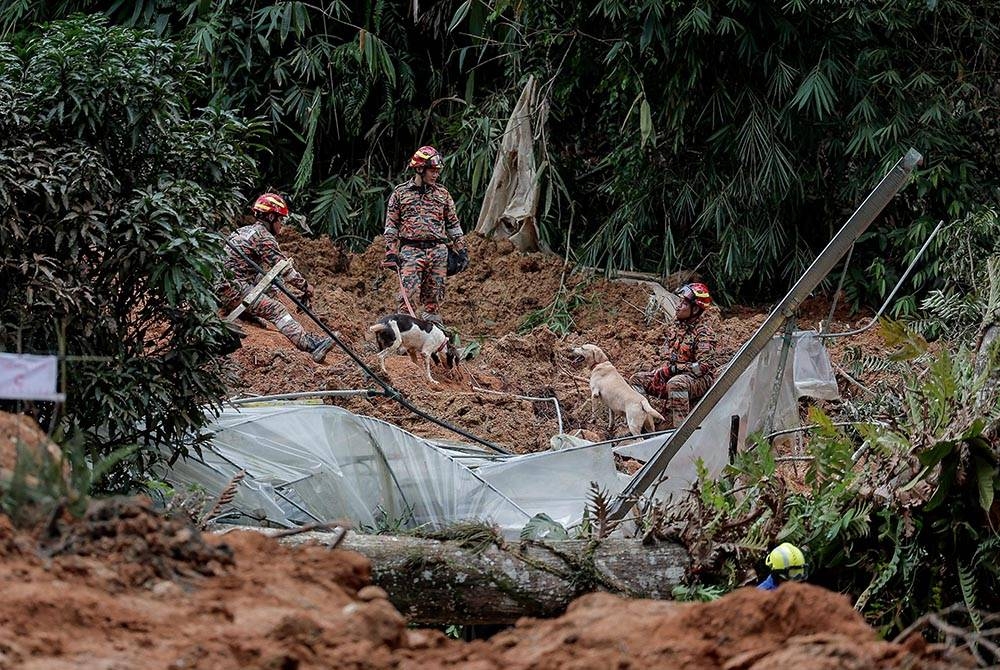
{"type": "Point", "coordinates": [29, 377]}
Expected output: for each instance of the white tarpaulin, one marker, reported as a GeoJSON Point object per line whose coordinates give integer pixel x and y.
{"type": "Point", "coordinates": [807, 373]}
{"type": "Point", "coordinates": [312, 462]}
{"type": "Point", "coordinates": [510, 206]}
{"type": "Point", "coordinates": [307, 462]}
{"type": "Point", "coordinates": [28, 377]}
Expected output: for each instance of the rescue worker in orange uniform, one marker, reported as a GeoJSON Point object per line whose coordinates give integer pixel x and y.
{"type": "Point", "coordinates": [420, 224]}
{"type": "Point", "coordinates": [257, 242]}
{"type": "Point", "coordinates": [691, 357]}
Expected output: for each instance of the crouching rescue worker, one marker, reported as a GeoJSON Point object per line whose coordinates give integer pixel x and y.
{"type": "Point", "coordinates": [786, 561]}
{"type": "Point", "coordinates": [690, 350]}
{"type": "Point", "coordinates": [257, 242]}
{"type": "Point", "coordinates": [420, 224]}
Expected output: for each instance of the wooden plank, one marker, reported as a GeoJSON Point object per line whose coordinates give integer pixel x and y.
{"type": "Point", "coordinates": [259, 288]}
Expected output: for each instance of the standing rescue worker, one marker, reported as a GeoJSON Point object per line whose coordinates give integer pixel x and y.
{"type": "Point", "coordinates": [257, 242]}
{"type": "Point", "coordinates": [420, 222]}
{"type": "Point", "coordinates": [690, 349]}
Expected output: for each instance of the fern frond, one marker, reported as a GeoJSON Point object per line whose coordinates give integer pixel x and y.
{"type": "Point", "coordinates": [967, 582]}
{"type": "Point", "coordinates": [227, 496]}
{"type": "Point", "coordinates": [883, 577]}
{"type": "Point", "coordinates": [599, 508]}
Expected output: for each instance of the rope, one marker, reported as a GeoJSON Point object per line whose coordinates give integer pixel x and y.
{"type": "Point", "coordinates": [390, 391]}
{"type": "Point", "coordinates": [402, 292]}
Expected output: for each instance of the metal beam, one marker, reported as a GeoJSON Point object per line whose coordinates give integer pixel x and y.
{"type": "Point", "coordinates": [863, 216]}
{"type": "Point", "coordinates": [330, 393]}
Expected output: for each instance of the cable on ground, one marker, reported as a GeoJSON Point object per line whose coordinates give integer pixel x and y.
{"type": "Point", "coordinates": [389, 390]}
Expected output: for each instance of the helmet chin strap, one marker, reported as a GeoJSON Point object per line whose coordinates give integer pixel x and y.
{"type": "Point", "coordinates": [268, 221]}
{"type": "Point", "coordinates": [421, 184]}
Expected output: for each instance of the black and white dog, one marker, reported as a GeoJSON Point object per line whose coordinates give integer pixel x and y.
{"type": "Point", "coordinates": [404, 333]}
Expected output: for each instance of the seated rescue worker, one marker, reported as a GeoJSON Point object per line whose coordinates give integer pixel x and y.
{"type": "Point", "coordinates": [690, 351]}
{"type": "Point", "coordinates": [257, 242]}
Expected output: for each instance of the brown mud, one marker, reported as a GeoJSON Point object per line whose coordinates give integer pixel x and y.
{"type": "Point", "coordinates": [487, 305]}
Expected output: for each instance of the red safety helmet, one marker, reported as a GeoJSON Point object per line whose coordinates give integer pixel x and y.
{"type": "Point", "coordinates": [270, 203]}
{"type": "Point", "coordinates": [426, 156]}
{"type": "Point", "coordinates": [696, 293]}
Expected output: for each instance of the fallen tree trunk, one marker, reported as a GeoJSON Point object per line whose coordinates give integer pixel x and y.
{"type": "Point", "coordinates": [433, 582]}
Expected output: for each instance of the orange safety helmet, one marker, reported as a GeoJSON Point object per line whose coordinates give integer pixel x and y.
{"type": "Point", "coordinates": [426, 156]}
{"type": "Point", "coordinates": [696, 293]}
{"type": "Point", "coordinates": [270, 203]}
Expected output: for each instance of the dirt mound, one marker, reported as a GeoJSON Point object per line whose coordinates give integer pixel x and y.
{"type": "Point", "coordinates": [272, 606]}
{"type": "Point", "coordinates": [146, 547]}
{"type": "Point", "coordinates": [264, 607]}
{"type": "Point", "coordinates": [494, 303]}
{"type": "Point", "coordinates": [749, 629]}
{"type": "Point", "coordinates": [487, 305]}
{"type": "Point", "coordinates": [20, 432]}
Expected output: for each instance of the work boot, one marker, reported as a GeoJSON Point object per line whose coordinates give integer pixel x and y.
{"type": "Point", "coordinates": [323, 345]}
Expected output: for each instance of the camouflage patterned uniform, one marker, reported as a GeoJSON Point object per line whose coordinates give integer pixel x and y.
{"type": "Point", "coordinates": [257, 242]}
{"type": "Point", "coordinates": [691, 365]}
{"type": "Point", "coordinates": [419, 222]}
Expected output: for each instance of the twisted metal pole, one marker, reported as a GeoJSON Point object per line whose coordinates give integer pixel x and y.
{"type": "Point", "coordinates": [863, 216]}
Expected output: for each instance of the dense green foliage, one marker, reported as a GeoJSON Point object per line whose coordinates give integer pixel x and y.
{"type": "Point", "coordinates": [970, 259]}
{"type": "Point", "coordinates": [738, 135]}
{"type": "Point", "coordinates": [111, 186]}
{"type": "Point", "coordinates": [728, 135]}
{"type": "Point", "coordinates": [901, 511]}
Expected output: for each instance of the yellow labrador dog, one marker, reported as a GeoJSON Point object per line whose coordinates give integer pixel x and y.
{"type": "Point", "coordinates": [607, 384]}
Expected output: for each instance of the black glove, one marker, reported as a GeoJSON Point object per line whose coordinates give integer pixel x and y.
{"type": "Point", "coordinates": [307, 292]}
{"type": "Point", "coordinates": [463, 259]}
{"type": "Point", "coordinates": [391, 261]}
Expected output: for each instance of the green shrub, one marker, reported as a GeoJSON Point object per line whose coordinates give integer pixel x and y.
{"type": "Point", "coordinates": [900, 512]}
{"type": "Point", "coordinates": [112, 188]}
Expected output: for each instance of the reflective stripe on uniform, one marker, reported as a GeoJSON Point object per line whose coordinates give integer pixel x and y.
{"type": "Point", "coordinates": [287, 318]}
{"type": "Point", "coordinates": [786, 556]}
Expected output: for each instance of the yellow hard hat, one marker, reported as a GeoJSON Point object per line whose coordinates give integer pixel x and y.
{"type": "Point", "coordinates": [789, 559]}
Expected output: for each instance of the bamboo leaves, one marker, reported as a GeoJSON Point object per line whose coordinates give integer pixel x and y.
{"type": "Point", "coordinates": [645, 123]}
{"type": "Point", "coordinates": [375, 55]}
{"type": "Point", "coordinates": [817, 93]}
{"type": "Point", "coordinates": [303, 174]}
{"type": "Point", "coordinates": [715, 116]}
{"type": "Point", "coordinates": [459, 15]}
